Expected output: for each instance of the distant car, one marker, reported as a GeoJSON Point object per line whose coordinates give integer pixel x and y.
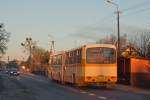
{"type": "Point", "coordinates": [14, 72]}
{"type": "Point", "coordinates": [7, 71]}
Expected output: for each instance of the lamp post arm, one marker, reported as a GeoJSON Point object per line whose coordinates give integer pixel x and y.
{"type": "Point", "coordinates": [114, 4]}
{"type": "Point", "coordinates": [51, 36]}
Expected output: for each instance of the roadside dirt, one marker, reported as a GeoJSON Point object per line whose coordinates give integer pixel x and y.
{"type": "Point", "coordinates": [129, 88]}
{"type": "Point", "coordinates": [9, 90]}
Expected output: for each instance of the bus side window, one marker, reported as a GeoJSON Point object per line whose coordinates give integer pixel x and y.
{"type": "Point", "coordinates": [60, 59]}
{"type": "Point", "coordinates": [70, 57]}
{"type": "Point", "coordinates": [55, 60]}
{"type": "Point", "coordinates": [79, 56]}
{"type": "Point", "coordinates": [67, 58]}
{"type": "Point", "coordinates": [75, 56]}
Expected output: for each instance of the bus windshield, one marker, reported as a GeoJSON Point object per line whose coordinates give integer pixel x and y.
{"type": "Point", "coordinates": [100, 55]}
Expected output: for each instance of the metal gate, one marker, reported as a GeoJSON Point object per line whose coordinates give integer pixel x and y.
{"type": "Point", "coordinates": [123, 71]}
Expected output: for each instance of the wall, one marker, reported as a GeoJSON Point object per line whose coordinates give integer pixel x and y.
{"type": "Point", "coordinates": [140, 73]}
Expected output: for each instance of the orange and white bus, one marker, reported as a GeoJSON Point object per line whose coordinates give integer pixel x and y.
{"type": "Point", "coordinates": [91, 63]}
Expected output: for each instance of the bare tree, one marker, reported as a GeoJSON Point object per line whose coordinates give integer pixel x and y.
{"type": "Point", "coordinates": [108, 40]}
{"type": "Point", "coordinates": [4, 39]}
{"type": "Point", "coordinates": [141, 43]}
{"type": "Point", "coordinates": [122, 42]}
{"type": "Point", "coordinates": [38, 54]}
{"type": "Point", "coordinates": [45, 57]}
{"type": "Point", "coordinates": [41, 58]}
{"type": "Point", "coordinates": [29, 46]}
{"type": "Point", "coordinates": [112, 39]}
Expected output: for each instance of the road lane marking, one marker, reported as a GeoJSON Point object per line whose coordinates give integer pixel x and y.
{"type": "Point", "coordinates": [68, 88]}
{"type": "Point", "coordinates": [91, 94]}
{"type": "Point", "coordinates": [101, 97]}
{"type": "Point", "coordinates": [83, 92]}
{"type": "Point", "coordinates": [35, 79]}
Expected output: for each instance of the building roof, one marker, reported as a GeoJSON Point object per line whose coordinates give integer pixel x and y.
{"type": "Point", "coordinates": [130, 52]}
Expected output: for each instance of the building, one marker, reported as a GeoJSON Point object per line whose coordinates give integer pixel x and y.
{"type": "Point", "coordinates": [133, 69]}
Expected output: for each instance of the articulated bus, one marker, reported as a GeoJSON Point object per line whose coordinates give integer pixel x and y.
{"type": "Point", "coordinates": [91, 63]}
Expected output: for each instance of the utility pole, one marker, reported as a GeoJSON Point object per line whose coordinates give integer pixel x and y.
{"type": "Point", "coordinates": [8, 59]}
{"type": "Point", "coordinates": [118, 16]}
{"type": "Point", "coordinates": [52, 46]}
{"type": "Point", "coordinates": [9, 63]}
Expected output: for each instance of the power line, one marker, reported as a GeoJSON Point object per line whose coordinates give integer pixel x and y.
{"type": "Point", "coordinates": [100, 25]}
{"type": "Point", "coordinates": [137, 6]}
{"type": "Point", "coordinates": [93, 29]}
{"type": "Point", "coordinates": [114, 19]}
{"type": "Point", "coordinates": [103, 20]}
{"type": "Point", "coordinates": [136, 12]}
{"type": "Point", "coordinates": [109, 17]}
{"type": "Point", "coordinates": [111, 21]}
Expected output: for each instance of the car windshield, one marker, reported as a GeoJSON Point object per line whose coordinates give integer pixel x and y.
{"type": "Point", "coordinates": [14, 69]}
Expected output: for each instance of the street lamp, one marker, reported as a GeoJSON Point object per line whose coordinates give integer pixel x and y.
{"type": "Point", "coordinates": [52, 45]}
{"type": "Point", "coordinates": [50, 36]}
{"type": "Point", "coordinates": [118, 13]}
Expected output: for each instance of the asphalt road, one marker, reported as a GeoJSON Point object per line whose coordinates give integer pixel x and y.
{"type": "Point", "coordinates": [37, 87]}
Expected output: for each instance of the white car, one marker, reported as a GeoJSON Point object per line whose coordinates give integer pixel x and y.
{"type": "Point", "coordinates": [14, 72]}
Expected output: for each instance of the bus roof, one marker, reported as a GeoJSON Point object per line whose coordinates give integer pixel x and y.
{"type": "Point", "coordinates": [93, 45]}
{"type": "Point", "coordinates": [87, 45]}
